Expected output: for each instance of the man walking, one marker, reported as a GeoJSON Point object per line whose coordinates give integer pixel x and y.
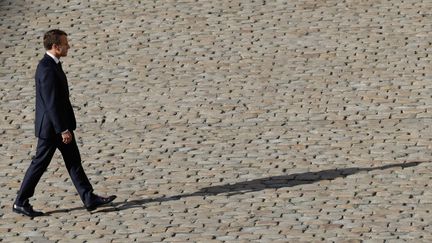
{"type": "Point", "coordinates": [54, 126]}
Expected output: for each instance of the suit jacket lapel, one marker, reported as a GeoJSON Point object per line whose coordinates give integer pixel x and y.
{"type": "Point", "coordinates": [60, 74]}
{"type": "Point", "coordinates": [64, 79]}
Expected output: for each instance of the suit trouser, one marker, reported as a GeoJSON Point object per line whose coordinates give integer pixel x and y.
{"type": "Point", "coordinates": [44, 153]}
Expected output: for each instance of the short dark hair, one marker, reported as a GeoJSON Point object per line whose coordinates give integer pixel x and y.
{"type": "Point", "coordinates": [52, 37]}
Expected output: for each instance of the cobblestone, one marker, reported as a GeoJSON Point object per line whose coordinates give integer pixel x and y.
{"type": "Point", "coordinates": [227, 121]}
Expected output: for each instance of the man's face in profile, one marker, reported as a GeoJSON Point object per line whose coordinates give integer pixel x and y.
{"type": "Point", "coordinates": [63, 48]}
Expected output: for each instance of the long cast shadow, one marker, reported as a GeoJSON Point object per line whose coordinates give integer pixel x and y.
{"type": "Point", "coordinates": [273, 182]}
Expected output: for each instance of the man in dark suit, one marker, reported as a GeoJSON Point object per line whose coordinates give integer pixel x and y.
{"type": "Point", "coordinates": [54, 126]}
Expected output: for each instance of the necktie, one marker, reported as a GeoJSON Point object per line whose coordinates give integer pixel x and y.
{"type": "Point", "coordinates": [65, 79]}
{"type": "Point", "coordinates": [60, 66]}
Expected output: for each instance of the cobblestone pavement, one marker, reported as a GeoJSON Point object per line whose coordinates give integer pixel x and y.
{"type": "Point", "coordinates": [228, 121]}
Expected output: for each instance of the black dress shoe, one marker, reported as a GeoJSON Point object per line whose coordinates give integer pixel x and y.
{"type": "Point", "coordinates": [26, 210]}
{"type": "Point", "coordinates": [99, 201]}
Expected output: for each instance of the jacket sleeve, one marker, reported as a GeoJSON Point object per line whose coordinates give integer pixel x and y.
{"type": "Point", "coordinates": [50, 91]}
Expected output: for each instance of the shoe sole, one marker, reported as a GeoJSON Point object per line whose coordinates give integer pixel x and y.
{"type": "Point", "coordinates": [92, 208]}
{"type": "Point", "coordinates": [19, 212]}
{"type": "Point", "coordinates": [31, 216]}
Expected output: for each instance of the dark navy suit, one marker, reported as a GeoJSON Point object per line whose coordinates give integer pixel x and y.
{"type": "Point", "coordinates": [54, 115]}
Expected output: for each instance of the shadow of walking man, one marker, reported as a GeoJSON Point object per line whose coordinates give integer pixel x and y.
{"type": "Point", "coordinates": [273, 182]}
{"type": "Point", "coordinates": [291, 180]}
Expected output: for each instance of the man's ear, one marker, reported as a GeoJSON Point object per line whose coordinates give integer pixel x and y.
{"type": "Point", "coordinates": [55, 47]}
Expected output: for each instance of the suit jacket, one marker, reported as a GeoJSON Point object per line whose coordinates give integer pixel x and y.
{"type": "Point", "coordinates": [54, 113]}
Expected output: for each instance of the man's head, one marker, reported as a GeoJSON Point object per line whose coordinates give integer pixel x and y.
{"type": "Point", "coordinates": [55, 41]}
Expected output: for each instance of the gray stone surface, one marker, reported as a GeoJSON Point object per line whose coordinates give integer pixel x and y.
{"type": "Point", "coordinates": [227, 121]}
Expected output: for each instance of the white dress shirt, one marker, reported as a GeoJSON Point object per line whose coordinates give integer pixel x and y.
{"type": "Point", "coordinates": [53, 57]}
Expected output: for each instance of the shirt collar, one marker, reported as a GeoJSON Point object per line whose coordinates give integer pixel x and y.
{"type": "Point", "coordinates": [53, 57]}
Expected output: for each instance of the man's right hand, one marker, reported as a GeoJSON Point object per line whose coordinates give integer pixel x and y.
{"type": "Point", "coordinates": [67, 137]}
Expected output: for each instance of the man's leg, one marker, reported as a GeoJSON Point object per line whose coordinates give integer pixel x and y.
{"type": "Point", "coordinates": [44, 153]}
{"type": "Point", "coordinates": [72, 159]}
